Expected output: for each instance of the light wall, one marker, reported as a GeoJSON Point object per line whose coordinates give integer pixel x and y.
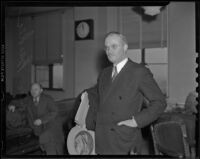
{"type": "Point", "coordinates": [82, 59]}
{"type": "Point", "coordinates": [68, 54]}
{"type": "Point", "coordinates": [182, 54]}
{"type": "Point", "coordinates": [87, 51]}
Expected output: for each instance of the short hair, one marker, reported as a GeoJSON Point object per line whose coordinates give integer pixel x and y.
{"type": "Point", "coordinates": [122, 37]}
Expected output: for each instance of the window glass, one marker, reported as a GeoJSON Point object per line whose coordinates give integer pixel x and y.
{"type": "Point", "coordinates": [57, 76]}
{"type": "Point", "coordinates": [49, 76]}
{"type": "Point", "coordinates": [42, 75]}
{"type": "Point", "coordinates": [156, 59]}
{"type": "Point", "coordinates": [135, 55]}
{"type": "Point", "coordinates": [160, 75]}
{"type": "Point", "coordinates": [156, 55]}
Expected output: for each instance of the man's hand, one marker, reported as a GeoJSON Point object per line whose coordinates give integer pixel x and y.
{"type": "Point", "coordinates": [38, 122]}
{"type": "Point", "coordinates": [11, 108]}
{"type": "Point", "coordinates": [130, 123]}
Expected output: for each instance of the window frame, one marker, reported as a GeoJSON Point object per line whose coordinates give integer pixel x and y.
{"type": "Point", "coordinates": [50, 73]}
{"type": "Point", "coordinates": [143, 61]}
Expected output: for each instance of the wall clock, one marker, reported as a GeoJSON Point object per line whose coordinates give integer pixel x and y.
{"type": "Point", "coordinates": [84, 29]}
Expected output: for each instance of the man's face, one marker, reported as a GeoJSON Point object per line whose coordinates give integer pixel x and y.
{"type": "Point", "coordinates": [115, 49]}
{"type": "Point", "coordinates": [35, 90]}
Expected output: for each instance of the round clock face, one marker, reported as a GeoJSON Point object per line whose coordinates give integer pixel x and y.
{"type": "Point", "coordinates": [82, 29]}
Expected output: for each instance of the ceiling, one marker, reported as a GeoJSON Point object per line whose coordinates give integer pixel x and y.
{"type": "Point", "coordinates": [16, 11]}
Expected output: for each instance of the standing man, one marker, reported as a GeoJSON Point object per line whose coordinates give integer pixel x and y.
{"type": "Point", "coordinates": [41, 114]}
{"type": "Point", "coordinates": [116, 115]}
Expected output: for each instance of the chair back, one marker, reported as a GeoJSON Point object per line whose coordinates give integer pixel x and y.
{"type": "Point", "coordinates": [169, 139]}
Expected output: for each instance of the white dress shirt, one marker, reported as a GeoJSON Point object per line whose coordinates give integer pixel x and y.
{"type": "Point", "coordinates": [120, 65]}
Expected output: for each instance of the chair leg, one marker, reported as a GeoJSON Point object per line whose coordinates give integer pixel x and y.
{"type": "Point", "coordinates": [154, 141]}
{"type": "Point", "coordinates": [193, 152]}
{"type": "Point", "coordinates": [186, 145]}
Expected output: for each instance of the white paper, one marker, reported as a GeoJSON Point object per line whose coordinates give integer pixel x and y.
{"type": "Point", "coordinates": [82, 110]}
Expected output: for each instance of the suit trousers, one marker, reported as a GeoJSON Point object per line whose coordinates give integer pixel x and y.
{"type": "Point", "coordinates": [49, 145]}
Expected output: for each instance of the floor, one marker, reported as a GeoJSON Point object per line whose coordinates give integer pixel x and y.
{"type": "Point", "coordinates": [39, 152]}
{"type": "Point", "coordinates": [148, 144]}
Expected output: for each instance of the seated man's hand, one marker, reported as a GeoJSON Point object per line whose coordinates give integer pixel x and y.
{"type": "Point", "coordinates": [38, 122]}
{"type": "Point", "coordinates": [130, 123]}
{"type": "Point", "coordinates": [11, 108]}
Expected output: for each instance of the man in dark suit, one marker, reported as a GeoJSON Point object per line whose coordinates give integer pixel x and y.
{"type": "Point", "coordinates": [41, 114]}
{"type": "Point", "coordinates": [115, 112]}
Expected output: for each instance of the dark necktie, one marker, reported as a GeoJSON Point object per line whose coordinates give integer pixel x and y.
{"type": "Point", "coordinates": [114, 73]}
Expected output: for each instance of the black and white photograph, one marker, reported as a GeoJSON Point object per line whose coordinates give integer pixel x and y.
{"type": "Point", "coordinates": [103, 79]}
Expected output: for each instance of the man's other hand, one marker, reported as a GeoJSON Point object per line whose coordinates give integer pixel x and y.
{"type": "Point", "coordinates": [130, 123]}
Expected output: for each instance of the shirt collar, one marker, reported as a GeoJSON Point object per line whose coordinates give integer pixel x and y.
{"type": "Point", "coordinates": [121, 64]}
{"type": "Point", "coordinates": [37, 99]}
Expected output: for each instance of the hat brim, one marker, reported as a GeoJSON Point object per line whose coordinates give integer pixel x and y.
{"type": "Point", "coordinates": [80, 141]}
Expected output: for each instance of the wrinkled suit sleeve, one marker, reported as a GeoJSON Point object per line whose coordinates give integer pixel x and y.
{"type": "Point", "coordinates": [157, 104]}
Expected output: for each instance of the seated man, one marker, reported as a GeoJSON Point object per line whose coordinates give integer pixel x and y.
{"type": "Point", "coordinates": [41, 113]}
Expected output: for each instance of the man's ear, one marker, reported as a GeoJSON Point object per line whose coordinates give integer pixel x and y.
{"type": "Point", "coordinates": [125, 47]}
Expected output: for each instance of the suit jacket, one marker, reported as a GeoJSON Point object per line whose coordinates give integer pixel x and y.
{"type": "Point", "coordinates": [46, 110]}
{"type": "Point", "coordinates": [112, 102]}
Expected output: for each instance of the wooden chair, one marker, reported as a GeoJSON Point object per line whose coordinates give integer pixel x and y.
{"type": "Point", "coordinates": [169, 138]}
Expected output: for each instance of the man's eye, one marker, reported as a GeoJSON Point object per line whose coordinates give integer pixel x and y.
{"type": "Point", "coordinates": [113, 47]}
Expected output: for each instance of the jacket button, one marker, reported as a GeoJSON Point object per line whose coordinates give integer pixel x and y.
{"type": "Point", "coordinates": [112, 113]}
{"type": "Point", "coordinates": [120, 97]}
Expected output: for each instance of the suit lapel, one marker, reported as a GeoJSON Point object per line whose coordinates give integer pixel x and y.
{"type": "Point", "coordinates": [107, 82]}
{"type": "Point", "coordinates": [113, 84]}
{"type": "Point", "coordinates": [123, 72]}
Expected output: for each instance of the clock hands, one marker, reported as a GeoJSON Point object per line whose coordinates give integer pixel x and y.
{"type": "Point", "coordinates": [82, 26]}
{"type": "Point", "coordinates": [83, 29]}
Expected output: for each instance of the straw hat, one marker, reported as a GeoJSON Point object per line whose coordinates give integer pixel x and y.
{"type": "Point", "coordinates": [81, 141]}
